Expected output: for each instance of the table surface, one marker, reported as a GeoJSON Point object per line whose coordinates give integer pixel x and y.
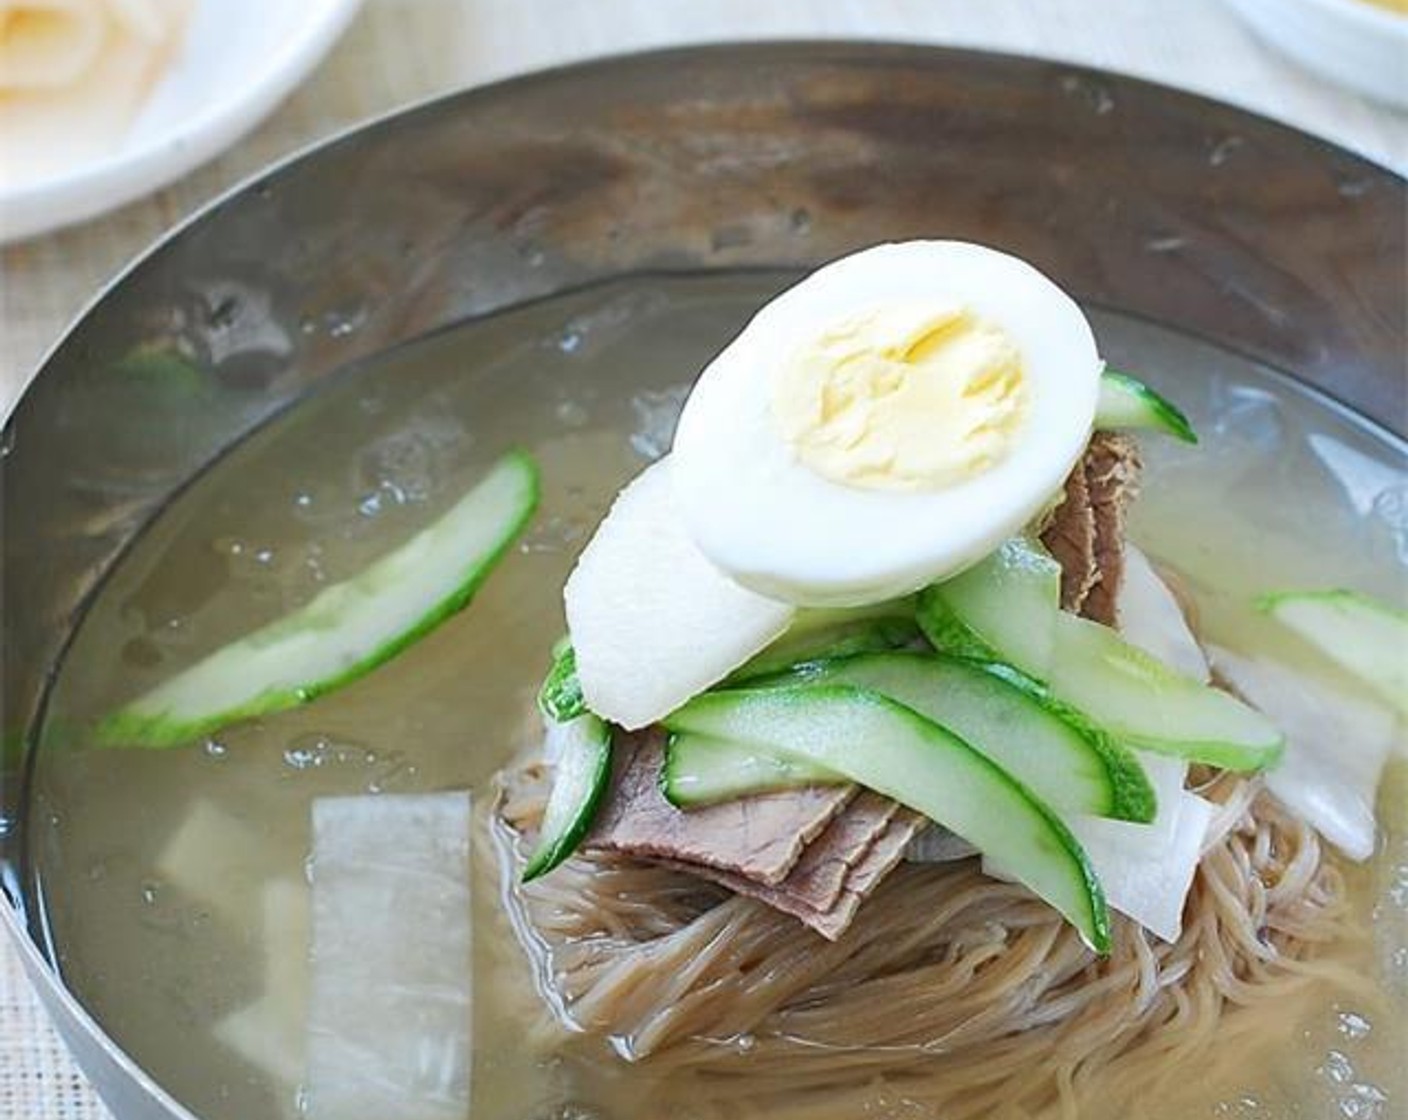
{"type": "Point", "coordinates": [399, 51]}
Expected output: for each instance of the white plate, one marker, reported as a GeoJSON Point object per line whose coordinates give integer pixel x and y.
{"type": "Point", "coordinates": [1351, 42]}
{"type": "Point", "coordinates": [240, 58]}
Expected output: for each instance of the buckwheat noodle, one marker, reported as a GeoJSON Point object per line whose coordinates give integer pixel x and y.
{"type": "Point", "coordinates": [953, 995]}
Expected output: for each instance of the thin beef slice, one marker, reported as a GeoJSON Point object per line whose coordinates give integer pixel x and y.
{"type": "Point", "coordinates": [872, 862]}
{"type": "Point", "coordinates": [761, 837]}
{"type": "Point", "coordinates": [1086, 531]}
{"type": "Point", "coordinates": [817, 882]}
{"type": "Point", "coordinates": [1070, 537]}
{"type": "Point", "coordinates": [1112, 467]}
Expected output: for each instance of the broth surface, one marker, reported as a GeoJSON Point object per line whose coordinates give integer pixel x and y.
{"type": "Point", "coordinates": [1286, 490]}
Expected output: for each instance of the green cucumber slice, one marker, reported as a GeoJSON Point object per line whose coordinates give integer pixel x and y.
{"type": "Point", "coordinates": [870, 739]}
{"type": "Point", "coordinates": [1146, 704]}
{"type": "Point", "coordinates": [583, 773]}
{"type": "Point", "coordinates": [560, 697]}
{"type": "Point", "coordinates": [1001, 609]}
{"type": "Point", "coordinates": [1007, 608]}
{"type": "Point", "coordinates": [1126, 402]}
{"type": "Point", "coordinates": [347, 629]}
{"type": "Point", "coordinates": [835, 633]}
{"type": "Point", "coordinates": [703, 770]}
{"type": "Point", "coordinates": [1042, 743]}
{"type": "Point", "coordinates": [1367, 637]}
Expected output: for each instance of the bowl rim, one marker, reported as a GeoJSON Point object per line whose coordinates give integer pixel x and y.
{"type": "Point", "coordinates": [440, 102]}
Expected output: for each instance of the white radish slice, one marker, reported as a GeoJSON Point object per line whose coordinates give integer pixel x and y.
{"type": "Point", "coordinates": [215, 858]}
{"type": "Point", "coordinates": [390, 1014]}
{"type": "Point", "coordinates": [1147, 870]}
{"type": "Point", "coordinates": [270, 1032]}
{"type": "Point", "coordinates": [1167, 775]}
{"type": "Point", "coordinates": [1149, 617]}
{"type": "Point", "coordinates": [652, 621]}
{"type": "Point", "coordinates": [1336, 748]}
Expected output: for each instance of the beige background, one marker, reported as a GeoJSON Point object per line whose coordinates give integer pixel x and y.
{"type": "Point", "coordinates": [399, 51]}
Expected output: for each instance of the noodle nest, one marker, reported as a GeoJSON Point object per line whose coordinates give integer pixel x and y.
{"type": "Point", "coordinates": [953, 995]}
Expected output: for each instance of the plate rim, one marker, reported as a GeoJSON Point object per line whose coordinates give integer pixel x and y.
{"type": "Point", "coordinates": [79, 193]}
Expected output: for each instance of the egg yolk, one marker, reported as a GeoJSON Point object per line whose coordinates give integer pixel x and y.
{"type": "Point", "coordinates": [909, 397]}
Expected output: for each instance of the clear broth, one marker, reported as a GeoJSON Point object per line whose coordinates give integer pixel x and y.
{"type": "Point", "coordinates": [1286, 490]}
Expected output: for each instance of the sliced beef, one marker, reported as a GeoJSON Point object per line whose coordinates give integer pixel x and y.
{"type": "Point", "coordinates": [1070, 537]}
{"type": "Point", "coordinates": [821, 873]}
{"type": "Point", "coordinates": [819, 878]}
{"type": "Point", "coordinates": [814, 853]}
{"type": "Point", "coordinates": [1112, 467]}
{"type": "Point", "coordinates": [863, 866]}
{"type": "Point", "coordinates": [761, 837]}
{"type": "Point", "coordinates": [1086, 531]}
{"type": "Point", "coordinates": [887, 851]}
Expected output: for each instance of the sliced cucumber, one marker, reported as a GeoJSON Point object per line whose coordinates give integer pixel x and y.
{"type": "Point", "coordinates": [1126, 402]}
{"type": "Point", "coordinates": [1365, 636]}
{"type": "Point", "coordinates": [560, 696]}
{"type": "Point", "coordinates": [1001, 609]}
{"type": "Point", "coordinates": [348, 628]}
{"type": "Point", "coordinates": [870, 739]}
{"type": "Point", "coordinates": [1008, 608]}
{"type": "Point", "coordinates": [583, 773]}
{"type": "Point", "coordinates": [1047, 747]}
{"type": "Point", "coordinates": [836, 633]}
{"type": "Point", "coordinates": [702, 770]}
{"type": "Point", "coordinates": [1146, 704]}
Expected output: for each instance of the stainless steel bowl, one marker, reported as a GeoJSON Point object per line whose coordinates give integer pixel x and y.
{"type": "Point", "coordinates": [1148, 201]}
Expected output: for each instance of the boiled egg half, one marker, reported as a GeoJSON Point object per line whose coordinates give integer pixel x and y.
{"type": "Point", "coordinates": [885, 423]}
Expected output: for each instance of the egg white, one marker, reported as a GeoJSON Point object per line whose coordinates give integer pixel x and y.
{"type": "Point", "coordinates": [784, 531]}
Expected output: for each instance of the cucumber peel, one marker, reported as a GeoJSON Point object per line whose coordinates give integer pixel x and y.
{"type": "Point", "coordinates": [1042, 743]}
{"type": "Point", "coordinates": [163, 368]}
{"type": "Point", "coordinates": [583, 772]}
{"type": "Point", "coordinates": [870, 739]}
{"type": "Point", "coordinates": [1126, 402]}
{"type": "Point", "coordinates": [560, 697]}
{"type": "Point", "coordinates": [348, 629]}
{"type": "Point", "coordinates": [1134, 797]}
{"type": "Point", "coordinates": [1006, 611]}
{"type": "Point", "coordinates": [1366, 637]}
{"type": "Point", "coordinates": [1001, 609]}
{"type": "Point", "coordinates": [1144, 703]}
{"type": "Point", "coordinates": [816, 634]}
